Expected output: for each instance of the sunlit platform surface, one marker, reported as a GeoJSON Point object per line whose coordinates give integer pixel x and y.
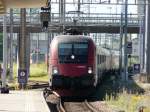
{"type": "Point", "coordinates": [23, 101]}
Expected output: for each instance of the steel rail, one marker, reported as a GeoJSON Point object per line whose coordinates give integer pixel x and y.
{"type": "Point", "coordinates": [90, 106]}
{"type": "Point", "coordinates": [60, 107]}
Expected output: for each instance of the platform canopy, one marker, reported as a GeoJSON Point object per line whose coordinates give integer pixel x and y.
{"type": "Point", "coordinates": [5, 4]}
{"type": "Point", "coordinates": [2, 7]}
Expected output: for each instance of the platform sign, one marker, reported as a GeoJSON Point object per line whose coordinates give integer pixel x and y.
{"type": "Point", "coordinates": [136, 68]}
{"type": "Point", "coordinates": [22, 76]}
{"type": "Point", "coordinates": [129, 48]}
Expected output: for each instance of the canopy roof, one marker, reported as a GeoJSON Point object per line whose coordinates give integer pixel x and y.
{"type": "Point", "coordinates": [4, 4]}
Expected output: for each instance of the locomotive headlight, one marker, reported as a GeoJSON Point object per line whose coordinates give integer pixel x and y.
{"type": "Point", "coordinates": [90, 70]}
{"type": "Point", "coordinates": [55, 70]}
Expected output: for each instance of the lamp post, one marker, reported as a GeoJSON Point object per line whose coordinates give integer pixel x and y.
{"type": "Point", "coordinates": [11, 45]}
{"type": "Point", "coordinates": [121, 37]}
{"type": "Point", "coordinates": [4, 88]}
{"type": "Point", "coordinates": [4, 51]}
{"type": "Point", "coordinates": [125, 42]}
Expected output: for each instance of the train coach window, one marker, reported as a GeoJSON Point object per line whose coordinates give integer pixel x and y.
{"type": "Point", "coordinates": [105, 58]}
{"type": "Point", "coordinates": [102, 58]}
{"type": "Point", "coordinates": [99, 56]}
{"type": "Point", "coordinates": [97, 59]}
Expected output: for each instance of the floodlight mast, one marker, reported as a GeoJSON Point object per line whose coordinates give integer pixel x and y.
{"type": "Point", "coordinates": [125, 40]}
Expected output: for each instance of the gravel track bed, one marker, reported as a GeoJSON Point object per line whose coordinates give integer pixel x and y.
{"type": "Point", "coordinates": [76, 107]}
{"type": "Point", "coordinates": [101, 106]}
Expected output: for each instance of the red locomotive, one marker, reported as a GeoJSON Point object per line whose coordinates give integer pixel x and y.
{"type": "Point", "coordinates": [72, 61]}
{"type": "Point", "coordinates": [75, 62]}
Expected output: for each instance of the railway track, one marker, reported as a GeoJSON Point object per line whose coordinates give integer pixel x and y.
{"type": "Point", "coordinates": [37, 84]}
{"type": "Point", "coordinates": [53, 100]}
{"type": "Point", "coordinates": [56, 104]}
{"type": "Point", "coordinates": [79, 107]}
{"type": "Point", "coordinates": [60, 107]}
{"type": "Point", "coordinates": [90, 106]}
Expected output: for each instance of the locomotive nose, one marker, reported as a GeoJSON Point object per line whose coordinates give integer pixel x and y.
{"type": "Point", "coordinates": [81, 66]}
{"type": "Point", "coordinates": [73, 70]}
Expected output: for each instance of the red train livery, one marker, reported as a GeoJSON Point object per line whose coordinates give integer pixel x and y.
{"type": "Point", "coordinates": [75, 62]}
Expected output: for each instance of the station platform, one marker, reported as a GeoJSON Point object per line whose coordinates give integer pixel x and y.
{"type": "Point", "coordinates": [23, 101]}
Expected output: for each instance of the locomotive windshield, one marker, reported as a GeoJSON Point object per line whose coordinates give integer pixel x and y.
{"type": "Point", "coordinates": [73, 52]}
{"type": "Point", "coordinates": [65, 49]}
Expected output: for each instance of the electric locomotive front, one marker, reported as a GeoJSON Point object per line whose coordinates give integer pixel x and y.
{"type": "Point", "coordinates": [72, 62]}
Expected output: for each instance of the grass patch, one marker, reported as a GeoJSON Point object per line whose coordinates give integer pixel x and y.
{"type": "Point", "coordinates": [42, 79]}
{"type": "Point", "coordinates": [128, 96]}
{"type": "Point", "coordinates": [127, 101]}
{"type": "Point", "coordinates": [130, 102]}
{"type": "Point", "coordinates": [38, 72]}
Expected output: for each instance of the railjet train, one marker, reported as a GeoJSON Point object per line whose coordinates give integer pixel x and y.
{"type": "Point", "coordinates": [76, 62]}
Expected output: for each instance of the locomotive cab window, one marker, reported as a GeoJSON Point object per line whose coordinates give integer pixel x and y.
{"type": "Point", "coordinates": [65, 49]}
{"type": "Point", "coordinates": [81, 49]}
{"type": "Point", "coordinates": [73, 52]}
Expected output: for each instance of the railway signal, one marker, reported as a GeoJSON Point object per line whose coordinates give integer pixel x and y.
{"type": "Point", "coordinates": [45, 18]}
{"type": "Point", "coordinates": [45, 15]}
{"type": "Point", "coordinates": [129, 48]}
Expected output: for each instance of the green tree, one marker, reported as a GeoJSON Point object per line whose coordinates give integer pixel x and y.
{"type": "Point", "coordinates": [1, 46]}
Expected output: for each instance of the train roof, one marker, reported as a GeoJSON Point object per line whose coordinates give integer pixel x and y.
{"type": "Point", "coordinates": [107, 51]}
{"type": "Point", "coordinates": [72, 38]}
{"type": "Point", "coordinates": [102, 50]}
